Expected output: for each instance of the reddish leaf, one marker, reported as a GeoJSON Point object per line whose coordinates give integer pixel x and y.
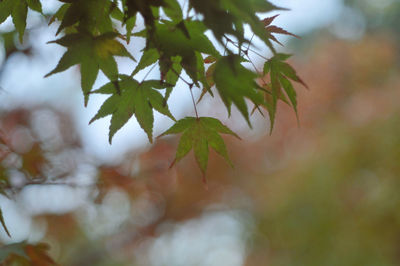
{"type": "Point", "coordinates": [274, 29]}
{"type": "Point", "coordinates": [268, 21]}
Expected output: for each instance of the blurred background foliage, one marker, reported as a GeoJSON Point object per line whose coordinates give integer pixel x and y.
{"type": "Point", "coordinates": [324, 193]}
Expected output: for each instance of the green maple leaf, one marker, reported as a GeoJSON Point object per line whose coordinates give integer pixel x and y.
{"type": "Point", "coordinates": [170, 72]}
{"type": "Point", "coordinates": [281, 73]}
{"type": "Point", "coordinates": [135, 98]}
{"type": "Point", "coordinates": [216, 18]}
{"type": "Point", "coordinates": [149, 57]}
{"type": "Point", "coordinates": [170, 69]}
{"type": "Point", "coordinates": [198, 134]}
{"type": "Point", "coordinates": [173, 10]}
{"type": "Point", "coordinates": [93, 54]}
{"type": "Point", "coordinates": [18, 10]}
{"type": "Point", "coordinates": [129, 23]}
{"type": "Point", "coordinates": [147, 8]}
{"type": "Point", "coordinates": [184, 39]}
{"type": "Point", "coordinates": [226, 17]}
{"type": "Point", "coordinates": [88, 15]}
{"type": "Point", "coordinates": [60, 13]}
{"type": "Point", "coordinates": [235, 83]}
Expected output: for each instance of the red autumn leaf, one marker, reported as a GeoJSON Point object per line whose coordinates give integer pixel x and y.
{"type": "Point", "coordinates": [268, 21]}
{"type": "Point", "coordinates": [274, 29]}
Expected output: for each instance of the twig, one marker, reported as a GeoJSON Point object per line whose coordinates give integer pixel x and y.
{"type": "Point", "coordinates": [226, 46]}
{"type": "Point", "coordinates": [194, 103]}
{"type": "Point", "coordinates": [190, 88]}
{"type": "Point", "coordinates": [255, 68]}
{"type": "Point", "coordinates": [248, 47]}
{"type": "Point", "coordinates": [179, 76]}
{"type": "Point", "coordinates": [151, 69]}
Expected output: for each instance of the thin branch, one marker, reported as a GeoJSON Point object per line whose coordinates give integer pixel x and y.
{"type": "Point", "coordinates": [190, 88]}
{"type": "Point", "coordinates": [255, 68]}
{"type": "Point", "coordinates": [148, 73]}
{"type": "Point", "coordinates": [248, 47]}
{"type": "Point", "coordinates": [194, 103]}
{"type": "Point", "coordinates": [226, 46]}
{"type": "Point", "coordinates": [145, 76]}
{"type": "Point", "coordinates": [179, 76]}
{"type": "Point", "coordinates": [257, 53]}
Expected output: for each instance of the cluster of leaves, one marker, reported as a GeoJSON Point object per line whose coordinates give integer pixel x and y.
{"type": "Point", "coordinates": [95, 32]}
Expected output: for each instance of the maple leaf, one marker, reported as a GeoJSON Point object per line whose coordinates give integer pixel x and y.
{"type": "Point", "coordinates": [173, 10]}
{"type": "Point", "coordinates": [215, 17]}
{"type": "Point", "coordinates": [226, 17]}
{"type": "Point", "coordinates": [93, 53]}
{"type": "Point", "coordinates": [135, 98]}
{"type": "Point", "coordinates": [184, 39]}
{"type": "Point", "coordinates": [198, 134]}
{"type": "Point", "coordinates": [274, 29]}
{"type": "Point", "coordinates": [235, 83]}
{"type": "Point", "coordinates": [170, 70]}
{"type": "Point", "coordinates": [129, 23]}
{"type": "Point", "coordinates": [149, 57]}
{"type": "Point", "coordinates": [246, 10]}
{"type": "Point", "coordinates": [18, 10]}
{"type": "Point", "coordinates": [89, 16]}
{"type": "Point", "coordinates": [281, 73]}
{"type": "Point", "coordinates": [209, 81]}
{"type": "Point", "coordinates": [144, 7]}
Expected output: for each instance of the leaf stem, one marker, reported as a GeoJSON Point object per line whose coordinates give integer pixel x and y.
{"type": "Point", "coordinates": [255, 68]}
{"type": "Point", "coordinates": [251, 39]}
{"type": "Point", "coordinates": [249, 49]}
{"type": "Point", "coordinates": [190, 88]}
{"type": "Point", "coordinates": [194, 103]}
{"type": "Point", "coordinates": [179, 76]}
{"type": "Point", "coordinates": [147, 74]}
{"type": "Point", "coordinates": [226, 46]}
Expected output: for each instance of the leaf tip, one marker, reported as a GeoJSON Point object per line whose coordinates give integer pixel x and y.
{"type": "Point", "coordinates": [204, 181]}
{"type": "Point", "coordinates": [3, 223]}
{"type": "Point", "coordinates": [110, 137]}
{"type": "Point", "coordinates": [298, 119]}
